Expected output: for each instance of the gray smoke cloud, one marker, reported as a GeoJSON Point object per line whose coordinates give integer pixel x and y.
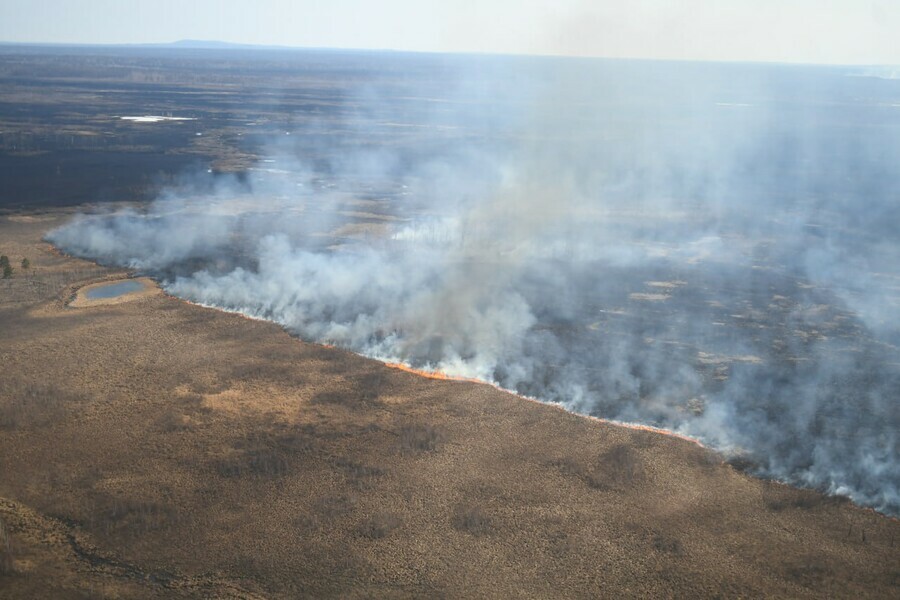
{"type": "Point", "coordinates": [710, 249]}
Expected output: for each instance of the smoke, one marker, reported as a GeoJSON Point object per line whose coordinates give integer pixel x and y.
{"type": "Point", "coordinates": [710, 249]}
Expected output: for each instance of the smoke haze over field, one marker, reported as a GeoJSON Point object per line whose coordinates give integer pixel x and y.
{"type": "Point", "coordinates": [710, 249]}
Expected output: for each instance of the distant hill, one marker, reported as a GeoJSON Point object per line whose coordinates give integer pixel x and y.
{"type": "Point", "coordinates": [214, 45]}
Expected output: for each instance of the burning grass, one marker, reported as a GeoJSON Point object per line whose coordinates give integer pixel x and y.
{"type": "Point", "coordinates": [438, 375]}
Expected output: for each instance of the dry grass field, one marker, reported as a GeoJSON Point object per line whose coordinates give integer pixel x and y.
{"type": "Point", "coordinates": [155, 449]}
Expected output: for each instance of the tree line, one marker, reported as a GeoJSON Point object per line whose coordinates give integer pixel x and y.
{"type": "Point", "coordinates": [7, 268]}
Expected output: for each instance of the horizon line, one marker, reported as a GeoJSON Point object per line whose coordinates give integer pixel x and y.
{"type": "Point", "coordinates": [203, 45]}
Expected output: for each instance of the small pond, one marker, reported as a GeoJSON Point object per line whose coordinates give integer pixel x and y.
{"type": "Point", "coordinates": [113, 289]}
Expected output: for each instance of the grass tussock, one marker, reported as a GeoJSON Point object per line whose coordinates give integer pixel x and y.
{"type": "Point", "coordinates": [666, 544]}
{"type": "Point", "coordinates": [333, 507]}
{"type": "Point", "coordinates": [621, 465]}
{"type": "Point", "coordinates": [809, 571]}
{"type": "Point", "coordinates": [778, 498]}
{"type": "Point", "coordinates": [278, 372]}
{"type": "Point", "coordinates": [259, 462]}
{"type": "Point", "coordinates": [346, 399]}
{"type": "Point", "coordinates": [130, 517]}
{"type": "Point", "coordinates": [173, 422]}
{"type": "Point", "coordinates": [471, 519]}
{"type": "Point", "coordinates": [742, 463]}
{"type": "Point", "coordinates": [7, 563]}
{"type": "Point", "coordinates": [379, 525]}
{"type": "Point", "coordinates": [370, 384]}
{"type": "Point", "coordinates": [618, 468]}
{"type": "Point", "coordinates": [326, 512]}
{"type": "Point", "coordinates": [265, 453]}
{"type": "Point", "coordinates": [26, 405]}
{"type": "Point", "coordinates": [359, 476]}
{"type": "Point", "coordinates": [419, 438]}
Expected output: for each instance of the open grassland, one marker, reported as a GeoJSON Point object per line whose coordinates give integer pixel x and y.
{"type": "Point", "coordinates": [157, 449]}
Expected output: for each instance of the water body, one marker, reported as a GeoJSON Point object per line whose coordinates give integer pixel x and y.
{"type": "Point", "coordinates": [113, 290]}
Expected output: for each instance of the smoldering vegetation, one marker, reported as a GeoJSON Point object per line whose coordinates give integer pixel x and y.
{"type": "Point", "coordinates": [710, 249]}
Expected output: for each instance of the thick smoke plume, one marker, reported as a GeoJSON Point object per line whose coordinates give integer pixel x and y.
{"type": "Point", "coordinates": [708, 249]}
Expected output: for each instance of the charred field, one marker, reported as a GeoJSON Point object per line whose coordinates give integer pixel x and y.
{"type": "Point", "coordinates": [156, 447]}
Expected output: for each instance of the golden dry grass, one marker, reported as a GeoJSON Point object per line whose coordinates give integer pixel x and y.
{"type": "Point", "coordinates": [158, 449]}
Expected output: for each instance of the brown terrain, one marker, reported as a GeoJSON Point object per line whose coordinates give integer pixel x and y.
{"type": "Point", "coordinates": [152, 448]}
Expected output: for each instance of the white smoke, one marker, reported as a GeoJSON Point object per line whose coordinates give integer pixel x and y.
{"type": "Point", "coordinates": [699, 248]}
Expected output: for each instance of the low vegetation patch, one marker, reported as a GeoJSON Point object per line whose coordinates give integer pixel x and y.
{"type": "Point", "coordinates": [742, 463]}
{"type": "Point", "coordinates": [347, 399]}
{"type": "Point", "coordinates": [130, 517]}
{"type": "Point", "coordinates": [419, 438]}
{"type": "Point", "coordinates": [667, 544]}
{"type": "Point", "coordinates": [7, 564]}
{"type": "Point", "coordinates": [262, 462]}
{"type": "Point", "coordinates": [471, 519]}
{"type": "Point", "coordinates": [379, 525]}
{"type": "Point", "coordinates": [370, 385]}
{"type": "Point", "coordinates": [621, 465]}
{"type": "Point", "coordinates": [359, 476]}
{"type": "Point", "coordinates": [809, 571]}
{"type": "Point", "coordinates": [780, 497]}
{"type": "Point", "coordinates": [617, 468]}
{"type": "Point", "coordinates": [32, 404]}
{"type": "Point", "coordinates": [265, 453]}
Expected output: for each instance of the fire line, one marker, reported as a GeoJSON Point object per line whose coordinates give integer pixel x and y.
{"type": "Point", "coordinates": [441, 376]}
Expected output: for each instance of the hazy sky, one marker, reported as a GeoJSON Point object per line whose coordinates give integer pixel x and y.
{"type": "Point", "coordinates": [821, 31]}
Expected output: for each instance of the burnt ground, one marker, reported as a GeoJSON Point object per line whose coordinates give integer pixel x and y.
{"type": "Point", "coordinates": [159, 449]}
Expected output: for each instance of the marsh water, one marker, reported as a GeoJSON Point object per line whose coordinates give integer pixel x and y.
{"type": "Point", "coordinates": [113, 290]}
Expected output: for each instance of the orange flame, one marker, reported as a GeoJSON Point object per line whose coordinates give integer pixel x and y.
{"type": "Point", "coordinates": [441, 376]}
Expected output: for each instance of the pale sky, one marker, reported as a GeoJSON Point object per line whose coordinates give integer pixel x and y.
{"type": "Point", "coordinates": [812, 31]}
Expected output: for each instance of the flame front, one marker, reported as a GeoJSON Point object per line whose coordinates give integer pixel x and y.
{"type": "Point", "coordinates": [441, 376]}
